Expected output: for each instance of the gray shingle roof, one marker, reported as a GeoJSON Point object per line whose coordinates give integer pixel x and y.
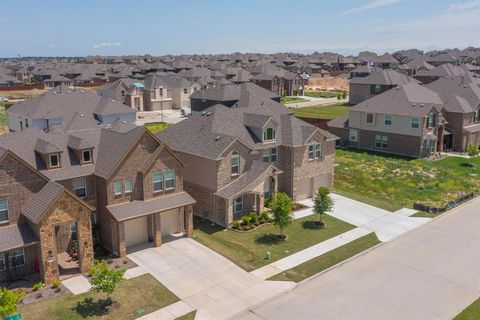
{"type": "Point", "coordinates": [460, 94]}
{"type": "Point", "coordinates": [384, 77]}
{"type": "Point", "coordinates": [35, 209]}
{"type": "Point", "coordinates": [138, 208]}
{"type": "Point", "coordinates": [16, 236]}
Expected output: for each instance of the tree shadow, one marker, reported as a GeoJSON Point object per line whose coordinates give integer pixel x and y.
{"type": "Point", "coordinates": [266, 239]}
{"type": "Point", "coordinates": [89, 308]}
{"type": "Point", "coordinates": [310, 225]}
{"type": "Point", "coordinates": [467, 165]}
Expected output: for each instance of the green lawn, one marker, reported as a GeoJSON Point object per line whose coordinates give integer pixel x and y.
{"type": "Point", "coordinates": [188, 316]}
{"type": "Point", "coordinates": [132, 299]}
{"type": "Point", "coordinates": [3, 118]}
{"type": "Point", "coordinates": [327, 260]}
{"type": "Point", "coordinates": [321, 94]}
{"type": "Point", "coordinates": [471, 313]}
{"type": "Point", "coordinates": [248, 249]}
{"type": "Point", "coordinates": [392, 182]}
{"type": "Point", "coordinates": [322, 112]}
{"type": "Point", "coordinates": [156, 127]}
{"type": "Point", "coordinates": [284, 100]}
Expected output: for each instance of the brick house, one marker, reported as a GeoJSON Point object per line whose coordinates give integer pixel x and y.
{"type": "Point", "coordinates": [239, 155]}
{"type": "Point", "coordinates": [407, 120]}
{"type": "Point", "coordinates": [58, 186]}
{"type": "Point", "coordinates": [127, 91]}
{"type": "Point", "coordinates": [168, 92]}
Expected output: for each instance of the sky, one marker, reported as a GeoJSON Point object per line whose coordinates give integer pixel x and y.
{"type": "Point", "coordinates": [160, 27]}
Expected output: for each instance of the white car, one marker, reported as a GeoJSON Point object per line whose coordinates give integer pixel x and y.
{"type": "Point", "coordinates": [186, 112]}
{"type": "Point", "coordinates": [3, 99]}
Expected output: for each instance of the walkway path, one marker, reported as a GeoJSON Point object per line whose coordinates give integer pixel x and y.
{"type": "Point", "coordinates": [367, 218]}
{"type": "Point", "coordinates": [170, 312]}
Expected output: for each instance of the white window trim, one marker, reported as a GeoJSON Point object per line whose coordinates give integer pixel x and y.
{"type": "Point", "coordinates": [7, 210]}
{"type": "Point", "coordinates": [313, 152]}
{"type": "Point", "coordinates": [85, 186]}
{"type": "Point", "coordinates": [235, 205]}
{"type": "Point", "coordinates": [23, 254]}
{"type": "Point", "coordinates": [121, 188]}
{"type": "Point", "coordinates": [125, 185]}
{"type": "Point", "coordinates": [50, 160]}
{"type": "Point", "coordinates": [236, 156]}
{"type": "Point", "coordinates": [373, 118]}
{"type": "Point", "coordinates": [350, 135]}
{"type": "Point", "coordinates": [385, 119]}
{"type": "Point", "coordinates": [156, 181]}
{"type": "Point", "coordinates": [274, 135]}
{"type": "Point", "coordinates": [165, 179]}
{"type": "Point", "coordinates": [83, 156]}
{"type": "Point", "coordinates": [418, 123]}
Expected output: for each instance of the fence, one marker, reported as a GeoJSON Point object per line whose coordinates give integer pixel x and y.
{"type": "Point", "coordinates": [450, 205]}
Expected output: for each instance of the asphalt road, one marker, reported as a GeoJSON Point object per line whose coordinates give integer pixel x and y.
{"type": "Point", "coordinates": [430, 273]}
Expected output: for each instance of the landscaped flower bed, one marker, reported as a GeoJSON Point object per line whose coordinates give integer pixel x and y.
{"type": "Point", "coordinates": [251, 221]}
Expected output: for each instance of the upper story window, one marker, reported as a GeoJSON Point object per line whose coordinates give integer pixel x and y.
{"type": "Point", "coordinates": [377, 88]}
{"type": "Point", "coordinates": [270, 155]}
{"type": "Point", "coordinates": [86, 156]}
{"type": "Point", "coordinates": [185, 91]}
{"type": "Point", "coordinates": [3, 210]}
{"type": "Point", "coordinates": [370, 118]}
{"type": "Point", "coordinates": [73, 230]}
{"type": "Point", "coordinates": [269, 134]}
{"type": "Point", "coordinates": [318, 150]}
{"type": "Point", "coordinates": [128, 185]}
{"type": "Point", "coordinates": [431, 120]}
{"type": "Point", "coordinates": [477, 115]}
{"type": "Point", "coordinates": [314, 151]}
{"type": "Point", "coordinates": [80, 187]}
{"type": "Point", "coordinates": [158, 181]}
{"type": "Point", "coordinates": [117, 188]}
{"type": "Point", "coordinates": [122, 93]}
{"type": "Point", "coordinates": [161, 92]}
{"type": "Point", "coordinates": [169, 179]}
{"type": "Point", "coordinates": [54, 160]}
{"type": "Point", "coordinates": [235, 163]}
{"type": "Point", "coordinates": [415, 122]}
{"type": "Point", "coordinates": [388, 119]}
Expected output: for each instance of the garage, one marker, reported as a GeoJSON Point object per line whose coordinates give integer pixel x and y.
{"type": "Point", "coordinates": [304, 189]}
{"type": "Point", "coordinates": [169, 222]}
{"type": "Point", "coordinates": [136, 231]}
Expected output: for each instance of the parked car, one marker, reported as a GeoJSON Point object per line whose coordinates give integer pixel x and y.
{"type": "Point", "coordinates": [186, 112]}
{"type": "Point", "coordinates": [3, 99]}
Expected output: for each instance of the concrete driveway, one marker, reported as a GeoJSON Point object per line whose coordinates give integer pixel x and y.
{"type": "Point", "coordinates": [430, 273]}
{"type": "Point", "coordinates": [205, 280]}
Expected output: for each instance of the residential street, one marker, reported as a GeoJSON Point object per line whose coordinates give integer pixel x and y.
{"type": "Point", "coordinates": [430, 273]}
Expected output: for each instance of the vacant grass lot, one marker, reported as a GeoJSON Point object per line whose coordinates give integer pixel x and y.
{"type": "Point", "coordinates": [132, 299]}
{"type": "Point", "coordinates": [393, 182]}
{"type": "Point", "coordinates": [156, 127]}
{"type": "Point", "coordinates": [322, 112]}
{"type": "Point", "coordinates": [471, 313]}
{"type": "Point", "coordinates": [284, 100]}
{"type": "Point", "coordinates": [248, 249]}
{"type": "Point", "coordinates": [321, 94]}
{"type": "Point", "coordinates": [327, 260]}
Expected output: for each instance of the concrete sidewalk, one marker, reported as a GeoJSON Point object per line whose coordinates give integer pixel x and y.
{"type": "Point", "coordinates": [170, 312]}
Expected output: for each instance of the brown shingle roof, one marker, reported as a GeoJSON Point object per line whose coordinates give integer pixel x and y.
{"type": "Point", "coordinates": [42, 200]}
{"type": "Point", "coordinates": [16, 236]}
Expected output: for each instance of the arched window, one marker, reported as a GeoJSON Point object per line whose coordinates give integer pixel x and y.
{"type": "Point", "coordinates": [269, 134]}
{"type": "Point", "coordinates": [235, 163]}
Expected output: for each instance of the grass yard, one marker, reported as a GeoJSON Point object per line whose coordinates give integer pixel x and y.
{"type": "Point", "coordinates": [188, 316]}
{"type": "Point", "coordinates": [156, 127]}
{"type": "Point", "coordinates": [248, 249]}
{"type": "Point", "coordinates": [321, 94]}
{"type": "Point", "coordinates": [472, 312]}
{"type": "Point", "coordinates": [284, 100]}
{"type": "Point", "coordinates": [132, 299]}
{"type": "Point", "coordinates": [322, 112]}
{"type": "Point", "coordinates": [327, 260]}
{"type": "Point", "coordinates": [392, 182]}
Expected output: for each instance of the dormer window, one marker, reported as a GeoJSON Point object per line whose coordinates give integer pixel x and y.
{"type": "Point", "coordinates": [122, 93]}
{"type": "Point", "coordinates": [86, 156]}
{"type": "Point", "coordinates": [54, 160]}
{"type": "Point", "coordinates": [269, 134]}
{"type": "Point", "coordinates": [235, 163]}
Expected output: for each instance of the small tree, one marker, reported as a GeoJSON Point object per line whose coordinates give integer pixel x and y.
{"type": "Point", "coordinates": [281, 208]}
{"type": "Point", "coordinates": [472, 150]}
{"type": "Point", "coordinates": [105, 279]}
{"type": "Point", "coordinates": [323, 202]}
{"type": "Point", "coordinates": [344, 95]}
{"type": "Point", "coordinates": [8, 302]}
{"type": "Point", "coordinates": [339, 96]}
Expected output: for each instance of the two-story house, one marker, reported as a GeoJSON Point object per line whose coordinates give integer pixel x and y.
{"type": "Point", "coordinates": [127, 91]}
{"type": "Point", "coordinates": [58, 186]}
{"type": "Point", "coordinates": [168, 92]}
{"type": "Point", "coordinates": [376, 82]}
{"type": "Point", "coordinates": [238, 156]}
{"type": "Point", "coordinates": [406, 120]}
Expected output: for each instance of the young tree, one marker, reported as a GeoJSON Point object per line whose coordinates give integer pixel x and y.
{"type": "Point", "coordinates": [105, 279]}
{"type": "Point", "coordinates": [344, 95]}
{"type": "Point", "coordinates": [472, 150]}
{"type": "Point", "coordinates": [323, 202]}
{"type": "Point", "coordinates": [8, 302]}
{"type": "Point", "coordinates": [281, 207]}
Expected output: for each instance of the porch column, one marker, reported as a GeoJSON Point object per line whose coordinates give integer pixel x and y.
{"type": "Point", "coordinates": [260, 203]}
{"type": "Point", "coordinates": [85, 243]}
{"type": "Point", "coordinates": [189, 221]}
{"type": "Point", "coordinates": [49, 262]}
{"type": "Point", "coordinates": [442, 133]}
{"type": "Point", "coordinates": [157, 233]}
{"type": "Point", "coordinates": [122, 246]}
{"type": "Point", "coordinates": [229, 211]}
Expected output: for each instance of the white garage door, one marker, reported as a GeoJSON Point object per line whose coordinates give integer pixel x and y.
{"type": "Point", "coordinates": [169, 222]}
{"type": "Point", "coordinates": [136, 231]}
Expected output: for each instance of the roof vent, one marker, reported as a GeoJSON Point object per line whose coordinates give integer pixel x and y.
{"type": "Point", "coordinates": [217, 138]}
{"type": "Point", "coordinates": [123, 121]}
{"type": "Point", "coordinates": [422, 105]}
{"type": "Point", "coordinates": [68, 91]}
{"type": "Point", "coordinates": [208, 114]}
{"type": "Point", "coordinates": [204, 113]}
{"type": "Point", "coordinates": [82, 115]}
{"type": "Point", "coordinates": [413, 104]}
{"type": "Point", "coordinates": [112, 100]}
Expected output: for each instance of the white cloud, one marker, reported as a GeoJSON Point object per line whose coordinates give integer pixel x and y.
{"type": "Point", "coordinates": [107, 44]}
{"type": "Point", "coordinates": [370, 5]}
{"type": "Point", "coordinates": [51, 45]}
{"type": "Point", "coordinates": [462, 6]}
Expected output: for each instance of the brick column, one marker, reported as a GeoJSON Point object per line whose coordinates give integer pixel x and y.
{"type": "Point", "coordinates": [189, 221]}
{"type": "Point", "coordinates": [260, 203]}
{"type": "Point", "coordinates": [157, 234]}
{"type": "Point", "coordinates": [229, 211]}
{"type": "Point", "coordinates": [85, 243]}
{"type": "Point", "coordinates": [122, 246]}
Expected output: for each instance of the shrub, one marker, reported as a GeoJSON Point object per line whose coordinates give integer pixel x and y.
{"type": "Point", "coordinates": [8, 301]}
{"type": "Point", "coordinates": [38, 286]}
{"type": "Point", "coordinates": [268, 202]}
{"type": "Point", "coordinates": [246, 220]}
{"type": "Point", "coordinates": [339, 96]}
{"type": "Point", "coordinates": [253, 217]}
{"type": "Point", "coordinates": [236, 224]}
{"type": "Point", "coordinates": [125, 260]}
{"type": "Point", "coordinates": [472, 150]}
{"type": "Point", "coordinates": [56, 283]}
{"type": "Point", "coordinates": [264, 215]}
{"type": "Point", "coordinates": [344, 94]}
